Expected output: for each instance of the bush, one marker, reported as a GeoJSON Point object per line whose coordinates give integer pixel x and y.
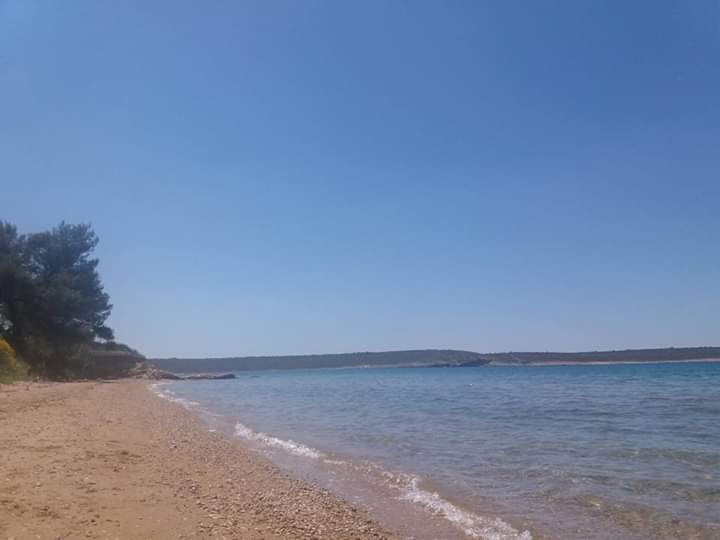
{"type": "Point", "coordinates": [11, 368]}
{"type": "Point", "coordinates": [7, 354]}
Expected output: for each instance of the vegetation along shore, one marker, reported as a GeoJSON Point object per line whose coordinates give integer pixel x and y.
{"type": "Point", "coordinates": [90, 452]}
{"type": "Point", "coordinates": [111, 459]}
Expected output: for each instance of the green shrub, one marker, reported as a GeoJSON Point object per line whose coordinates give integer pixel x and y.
{"type": "Point", "coordinates": [11, 368]}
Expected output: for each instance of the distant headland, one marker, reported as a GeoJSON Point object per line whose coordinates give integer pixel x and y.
{"type": "Point", "coordinates": [430, 358]}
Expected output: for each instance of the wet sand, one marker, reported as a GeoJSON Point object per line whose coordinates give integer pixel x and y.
{"type": "Point", "coordinates": [113, 460]}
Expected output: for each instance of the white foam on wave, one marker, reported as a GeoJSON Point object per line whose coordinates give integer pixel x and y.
{"type": "Point", "coordinates": [334, 462]}
{"type": "Point", "coordinates": [471, 524]}
{"type": "Point", "coordinates": [171, 396]}
{"type": "Point", "coordinates": [288, 445]}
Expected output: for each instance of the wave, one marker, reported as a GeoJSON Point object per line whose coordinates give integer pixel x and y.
{"type": "Point", "coordinates": [287, 445]}
{"type": "Point", "coordinates": [471, 524]}
{"type": "Point", "coordinates": [171, 396]}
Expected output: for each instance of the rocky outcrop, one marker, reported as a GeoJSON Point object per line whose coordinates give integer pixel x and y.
{"type": "Point", "coordinates": [145, 371]}
{"type": "Point", "coordinates": [209, 376]}
{"type": "Point", "coordinates": [101, 364]}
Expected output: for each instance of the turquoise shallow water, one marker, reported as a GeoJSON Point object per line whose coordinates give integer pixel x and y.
{"type": "Point", "coordinates": [592, 452]}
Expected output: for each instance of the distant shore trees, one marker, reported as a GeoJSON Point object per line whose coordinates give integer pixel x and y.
{"type": "Point", "coordinates": [52, 302]}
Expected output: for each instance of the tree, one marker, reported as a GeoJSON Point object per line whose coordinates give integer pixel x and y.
{"type": "Point", "coordinates": [52, 300]}
{"type": "Point", "coordinates": [17, 290]}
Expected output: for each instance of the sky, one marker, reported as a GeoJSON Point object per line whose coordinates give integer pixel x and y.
{"type": "Point", "coordinates": [296, 177]}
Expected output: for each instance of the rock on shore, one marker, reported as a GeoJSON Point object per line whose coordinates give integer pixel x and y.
{"type": "Point", "coordinates": [146, 371]}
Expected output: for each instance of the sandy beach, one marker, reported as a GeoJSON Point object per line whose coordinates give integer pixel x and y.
{"type": "Point", "coordinates": [112, 460]}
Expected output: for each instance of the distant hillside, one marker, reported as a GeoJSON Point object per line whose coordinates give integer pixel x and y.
{"type": "Point", "coordinates": [392, 358]}
{"type": "Point", "coordinates": [427, 358]}
{"type": "Point", "coordinates": [630, 355]}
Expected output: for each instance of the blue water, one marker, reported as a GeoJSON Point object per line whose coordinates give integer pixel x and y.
{"type": "Point", "coordinates": [587, 452]}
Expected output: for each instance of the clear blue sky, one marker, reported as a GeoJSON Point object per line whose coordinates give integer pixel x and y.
{"type": "Point", "coordinates": [300, 177]}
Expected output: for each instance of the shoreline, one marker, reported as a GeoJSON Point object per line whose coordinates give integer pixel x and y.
{"type": "Point", "coordinates": [114, 460]}
{"type": "Point", "coordinates": [469, 510]}
{"type": "Point", "coordinates": [605, 362]}
{"type": "Point", "coordinates": [400, 501]}
{"type": "Point", "coordinates": [491, 363]}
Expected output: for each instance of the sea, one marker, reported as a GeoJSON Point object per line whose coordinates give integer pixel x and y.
{"type": "Point", "coordinates": [591, 452]}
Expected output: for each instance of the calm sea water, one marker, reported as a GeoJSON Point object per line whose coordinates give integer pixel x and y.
{"type": "Point", "coordinates": [586, 452]}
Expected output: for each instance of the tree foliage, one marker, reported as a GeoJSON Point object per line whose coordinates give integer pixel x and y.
{"type": "Point", "coordinates": [52, 300]}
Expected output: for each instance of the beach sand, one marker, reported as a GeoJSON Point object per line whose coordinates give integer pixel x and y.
{"type": "Point", "coordinates": [113, 460]}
